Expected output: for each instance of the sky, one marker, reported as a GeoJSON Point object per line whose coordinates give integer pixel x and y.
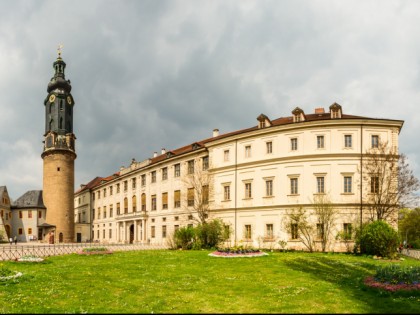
{"type": "Point", "coordinates": [156, 74]}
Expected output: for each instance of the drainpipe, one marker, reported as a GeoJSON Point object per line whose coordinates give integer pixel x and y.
{"type": "Point", "coordinates": [236, 184]}
{"type": "Point", "coordinates": [361, 176]}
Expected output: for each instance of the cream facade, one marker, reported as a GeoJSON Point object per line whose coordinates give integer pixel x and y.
{"type": "Point", "coordinates": [258, 175]}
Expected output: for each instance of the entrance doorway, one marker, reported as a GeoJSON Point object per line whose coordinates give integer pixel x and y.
{"type": "Point", "coordinates": [78, 237]}
{"type": "Point", "coordinates": [131, 233]}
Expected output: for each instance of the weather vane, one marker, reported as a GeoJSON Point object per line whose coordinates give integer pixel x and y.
{"type": "Point", "coordinates": [59, 49]}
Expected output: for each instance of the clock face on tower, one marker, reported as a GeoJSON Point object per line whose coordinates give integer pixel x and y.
{"type": "Point", "coordinates": [69, 100]}
{"type": "Point", "coordinates": [52, 98]}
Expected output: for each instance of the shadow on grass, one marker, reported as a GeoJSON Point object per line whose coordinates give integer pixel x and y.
{"type": "Point", "coordinates": [348, 275]}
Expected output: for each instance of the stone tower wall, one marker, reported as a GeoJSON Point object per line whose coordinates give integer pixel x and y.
{"type": "Point", "coordinates": [58, 192]}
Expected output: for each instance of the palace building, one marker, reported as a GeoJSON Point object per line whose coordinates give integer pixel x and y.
{"type": "Point", "coordinates": [250, 178]}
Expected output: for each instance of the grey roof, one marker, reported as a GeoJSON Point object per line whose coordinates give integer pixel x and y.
{"type": "Point", "coordinates": [30, 199]}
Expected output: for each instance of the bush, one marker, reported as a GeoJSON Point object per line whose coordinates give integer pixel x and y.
{"type": "Point", "coordinates": [210, 234]}
{"type": "Point", "coordinates": [377, 238]}
{"type": "Point", "coordinates": [184, 237]}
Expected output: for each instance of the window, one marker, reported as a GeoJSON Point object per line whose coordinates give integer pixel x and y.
{"type": "Point", "coordinates": [99, 195]}
{"type": "Point", "coordinates": [152, 231]}
{"type": "Point", "coordinates": [191, 167]}
{"type": "Point", "coordinates": [153, 177]}
{"type": "Point", "coordinates": [118, 188]}
{"type": "Point", "coordinates": [133, 183]}
{"type": "Point", "coordinates": [110, 191]}
{"type": "Point", "coordinates": [293, 144]}
{"type": "Point", "coordinates": [248, 151]}
{"type": "Point", "coordinates": [190, 217]}
{"type": "Point", "coordinates": [164, 173]}
{"type": "Point", "coordinates": [163, 231]}
{"type": "Point", "coordinates": [93, 196]}
{"type": "Point", "coordinates": [347, 184]}
{"type": "Point", "coordinates": [143, 202]}
{"type": "Point", "coordinates": [30, 231]}
{"type": "Point", "coordinates": [39, 214]}
{"type": "Point", "coordinates": [29, 214]}
{"type": "Point", "coordinates": [205, 194]}
{"type": "Point", "coordinates": [375, 141]}
{"type": "Point", "coordinates": [20, 231]}
{"type": "Point", "coordinates": [20, 215]}
{"type": "Point", "coordinates": [125, 185]}
{"type": "Point", "coordinates": [176, 228]}
{"type": "Point", "coordinates": [111, 211]}
{"type": "Point", "coordinates": [177, 198]}
{"type": "Point", "coordinates": [104, 192]}
{"type": "Point", "coordinates": [177, 170]}
{"type": "Point", "coordinates": [320, 189]}
{"type": "Point", "coordinates": [190, 197]}
{"type": "Point", "coordinates": [93, 214]}
{"type": "Point", "coordinates": [248, 232]}
{"type": "Point", "coordinates": [226, 155]}
{"type": "Point", "coordinates": [205, 163]}
{"type": "Point", "coordinates": [269, 147]}
{"type": "Point", "coordinates": [294, 186]}
{"type": "Point", "coordinates": [118, 208]}
{"type": "Point", "coordinates": [374, 184]}
{"type": "Point", "coordinates": [320, 142]}
{"type": "Point", "coordinates": [153, 202]}
{"type": "Point", "coordinates": [269, 188]}
{"type": "Point", "coordinates": [347, 230]}
{"type": "Point", "coordinates": [110, 233]}
{"type": "Point", "coordinates": [226, 191]}
{"type": "Point", "coordinates": [165, 200]}
{"type": "Point", "coordinates": [269, 231]}
{"type": "Point", "coordinates": [320, 230]}
{"type": "Point", "coordinates": [125, 205]}
{"type": "Point", "coordinates": [248, 190]}
{"type": "Point", "coordinates": [104, 212]}
{"type": "Point", "coordinates": [294, 231]}
{"type": "Point", "coordinates": [143, 180]}
{"type": "Point", "coordinates": [176, 218]}
{"type": "Point", "coordinates": [134, 203]}
{"type": "Point", "coordinates": [347, 141]}
{"type": "Point", "coordinates": [99, 213]}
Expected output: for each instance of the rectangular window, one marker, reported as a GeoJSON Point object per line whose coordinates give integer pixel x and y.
{"type": "Point", "coordinates": [104, 212]}
{"type": "Point", "coordinates": [320, 189]}
{"type": "Point", "coordinates": [205, 163]}
{"type": "Point", "coordinates": [20, 231]}
{"type": "Point", "coordinates": [153, 202]}
{"type": "Point", "coordinates": [152, 231]}
{"type": "Point", "coordinates": [29, 214]}
{"type": "Point", "coordinates": [205, 194]}
{"type": "Point", "coordinates": [110, 233]}
{"type": "Point", "coordinates": [293, 144]}
{"type": "Point", "coordinates": [164, 173]}
{"type": "Point", "coordinates": [269, 188]}
{"type": "Point", "coordinates": [226, 155]}
{"type": "Point", "coordinates": [40, 214]}
{"type": "Point", "coordinates": [248, 190]}
{"type": "Point", "coordinates": [226, 190]}
{"type": "Point", "coordinates": [118, 208]}
{"type": "Point", "coordinates": [347, 230]}
{"type": "Point", "coordinates": [104, 192]}
{"type": "Point", "coordinates": [320, 230]}
{"type": "Point", "coordinates": [99, 213]}
{"type": "Point", "coordinates": [99, 195]}
{"type": "Point", "coordinates": [133, 183]}
{"type": "Point", "coordinates": [294, 186]}
{"type": "Point", "coordinates": [347, 184]}
{"type": "Point", "coordinates": [29, 231]}
{"type": "Point", "coordinates": [20, 215]}
{"type": "Point", "coordinates": [294, 231]}
{"type": "Point", "coordinates": [165, 200]}
{"type": "Point", "coordinates": [248, 232]}
{"type": "Point", "coordinates": [143, 180]}
{"type": "Point", "coordinates": [176, 228]}
{"type": "Point", "coordinates": [163, 231]}
{"type": "Point", "coordinates": [103, 233]}
{"type": "Point", "coordinates": [347, 141]}
{"type": "Point", "coordinates": [320, 142]}
{"type": "Point", "coordinates": [111, 211]}
{"type": "Point", "coordinates": [190, 197]}
{"type": "Point", "coordinates": [177, 198]}
{"type": "Point", "coordinates": [143, 202]}
{"type": "Point", "coordinates": [247, 151]}
{"type": "Point", "coordinates": [125, 185]}
{"type": "Point", "coordinates": [110, 190]}
{"type": "Point", "coordinates": [269, 147]}
{"type": "Point", "coordinates": [191, 167]}
{"type": "Point", "coordinates": [93, 196]}
{"type": "Point", "coordinates": [118, 188]}
{"type": "Point", "coordinates": [269, 231]}
{"type": "Point", "coordinates": [177, 170]}
{"type": "Point", "coordinates": [374, 184]}
{"type": "Point", "coordinates": [375, 141]}
{"type": "Point", "coordinates": [153, 177]}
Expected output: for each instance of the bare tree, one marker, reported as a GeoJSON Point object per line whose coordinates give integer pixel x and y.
{"type": "Point", "coordinates": [326, 215]}
{"type": "Point", "coordinates": [199, 186]}
{"type": "Point", "coordinates": [390, 182]}
{"type": "Point", "coordinates": [299, 227]}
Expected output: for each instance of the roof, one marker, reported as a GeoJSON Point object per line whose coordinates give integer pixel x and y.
{"type": "Point", "coordinates": [30, 199]}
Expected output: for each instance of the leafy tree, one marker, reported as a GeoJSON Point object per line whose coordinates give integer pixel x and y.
{"type": "Point", "coordinates": [326, 215]}
{"type": "Point", "coordinates": [299, 218]}
{"type": "Point", "coordinates": [391, 183]}
{"type": "Point", "coordinates": [409, 226]}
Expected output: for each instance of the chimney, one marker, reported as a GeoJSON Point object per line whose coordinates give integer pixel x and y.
{"type": "Point", "coordinates": [319, 110]}
{"type": "Point", "coordinates": [215, 132]}
{"type": "Point", "coordinates": [154, 154]}
{"type": "Point", "coordinates": [163, 151]}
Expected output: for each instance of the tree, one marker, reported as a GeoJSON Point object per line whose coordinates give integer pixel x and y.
{"type": "Point", "coordinates": [326, 215]}
{"type": "Point", "coordinates": [199, 186]}
{"type": "Point", "coordinates": [391, 183]}
{"type": "Point", "coordinates": [299, 226]}
{"type": "Point", "coordinates": [409, 226]}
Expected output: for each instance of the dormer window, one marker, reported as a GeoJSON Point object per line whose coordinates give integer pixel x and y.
{"type": "Point", "coordinates": [263, 121]}
{"type": "Point", "coordinates": [335, 111]}
{"type": "Point", "coordinates": [298, 115]}
{"type": "Point", "coordinates": [196, 146]}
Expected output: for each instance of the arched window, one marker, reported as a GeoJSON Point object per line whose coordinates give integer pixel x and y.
{"type": "Point", "coordinates": [134, 200]}
{"type": "Point", "coordinates": [125, 205]}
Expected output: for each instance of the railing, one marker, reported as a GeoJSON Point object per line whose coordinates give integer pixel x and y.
{"type": "Point", "coordinates": [13, 252]}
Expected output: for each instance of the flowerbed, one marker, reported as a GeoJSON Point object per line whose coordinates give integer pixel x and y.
{"type": "Point", "coordinates": [30, 258]}
{"type": "Point", "coordinates": [395, 278]}
{"type": "Point", "coordinates": [237, 252]}
{"type": "Point", "coordinates": [95, 251]}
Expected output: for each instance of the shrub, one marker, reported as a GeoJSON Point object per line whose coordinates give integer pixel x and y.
{"type": "Point", "coordinates": [184, 237]}
{"type": "Point", "coordinates": [210, 234]}
{"type": "Point", "coordinates": [377, 238]}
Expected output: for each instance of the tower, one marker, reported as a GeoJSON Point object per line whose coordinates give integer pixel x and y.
{"type": "Point", "coordinates": [59, 154]}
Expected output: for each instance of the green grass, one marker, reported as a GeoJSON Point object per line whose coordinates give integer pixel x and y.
{"type": "Point", "coordinates": [162, 281]}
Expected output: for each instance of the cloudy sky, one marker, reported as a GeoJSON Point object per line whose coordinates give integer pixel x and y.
{"type": "Point", "coordinates": [156, 74]}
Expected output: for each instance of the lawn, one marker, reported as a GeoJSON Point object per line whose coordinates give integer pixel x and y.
{"type": "Point", "coordinates": [164, 281]}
